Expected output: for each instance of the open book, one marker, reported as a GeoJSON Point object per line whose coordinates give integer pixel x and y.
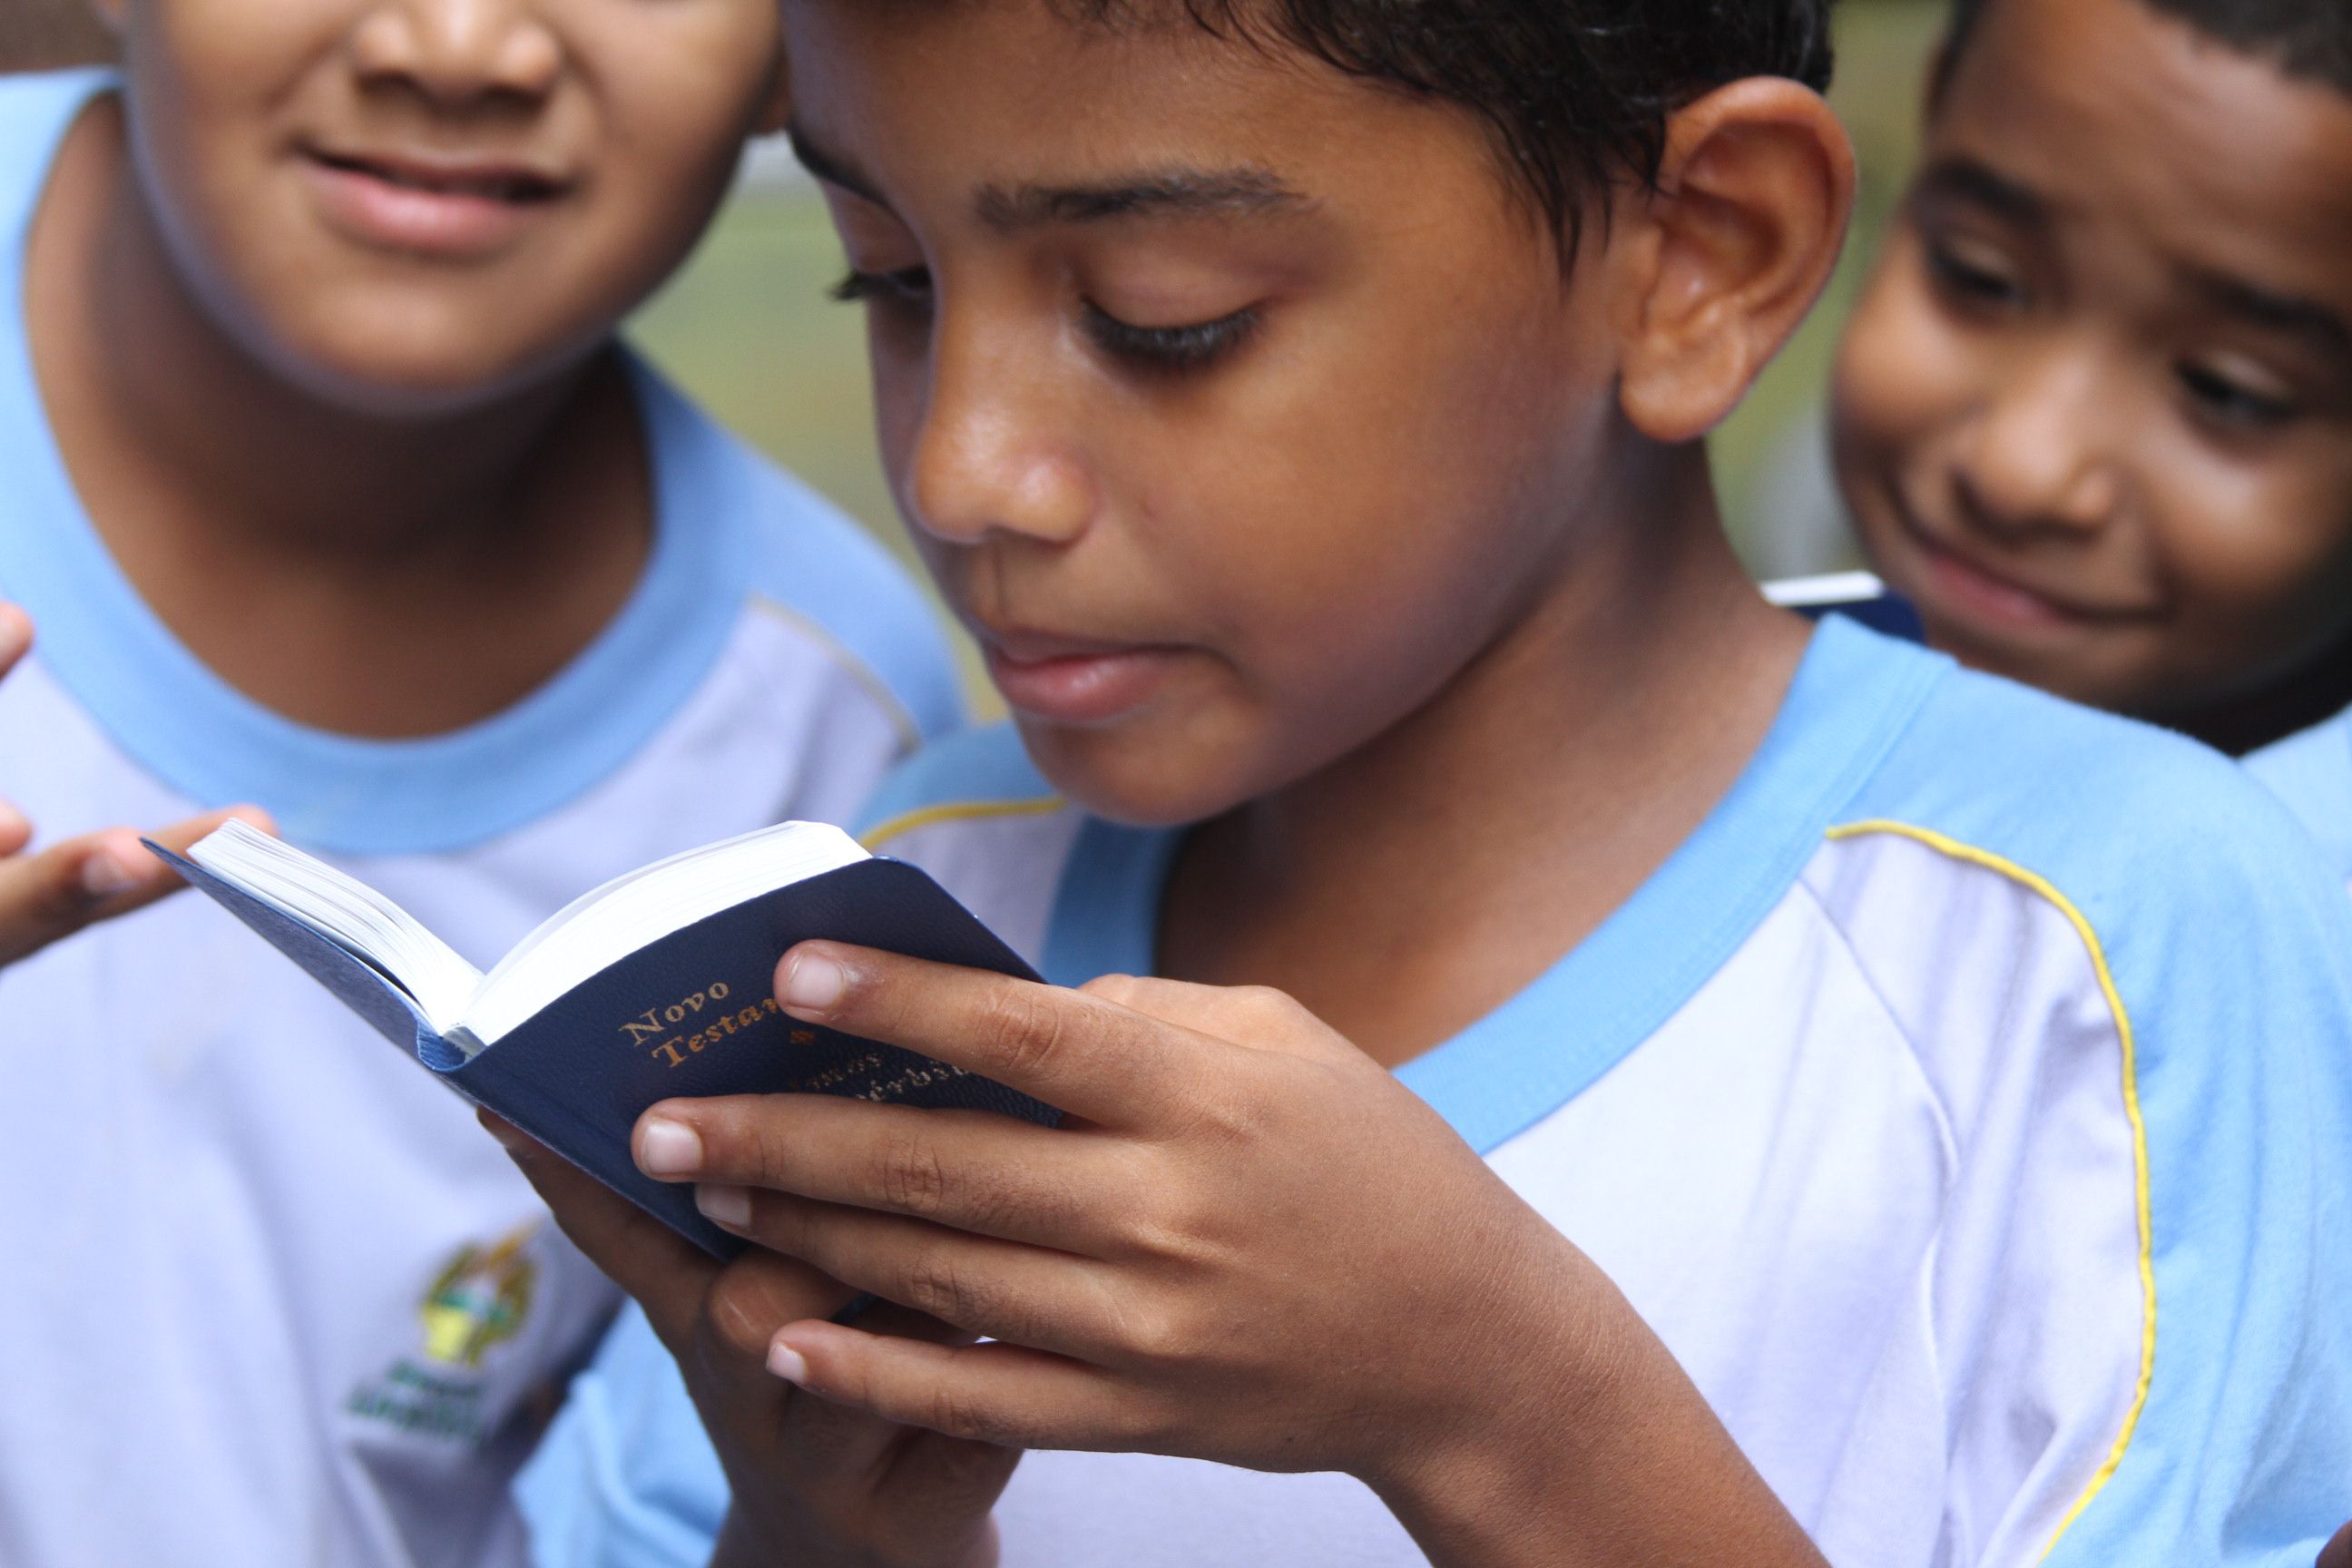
{"type": "Point", "coordinates": [657, 984]}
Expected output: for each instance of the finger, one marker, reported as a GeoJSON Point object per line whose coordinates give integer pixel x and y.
{"type": "Point", "coordinates": [669, 1275]}
{"type": "Point", "coordinates": [16, 829]}
{"type": "Point", "coordinates": [15, 637]}
{"type": "Point", "coordinates": [971, 1170]}
{"type": "Point", "coordinates": [825, 1441]}
{"type": "Point", "coordinates": [1029, 1295]}
{"type": "Point", "coordinates": [1074, 1052]}
{"type": "Point", "coordinates": [48, 897]}
{"type": "Point", "coordinates": [1257, 1017]}
{"type": "Point", "coordinates": [138, 877]}
{"type": "Point", "coordinates": [2338, 1553]}
{"type": "Point", "coordinates": [999, 1394]}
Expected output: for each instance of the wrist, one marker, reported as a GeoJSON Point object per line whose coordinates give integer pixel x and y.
{"type": "Point", "coordinates": [1474, 1482]}
{"type": "Point", "coordinates": [1587, 1445]}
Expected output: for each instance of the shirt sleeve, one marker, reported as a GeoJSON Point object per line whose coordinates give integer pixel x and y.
{"type": "Point", "coordinates": [2132, 1320]}
{"type": "Point", "coordinates": [625, 1477]}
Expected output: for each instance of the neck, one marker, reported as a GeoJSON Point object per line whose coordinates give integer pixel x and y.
{"type": "Point", "coordinates": [1516, 810]}
{"type": "Point", "coordinates": [255, 514]}
{"type": "Point", "coordinates": [2312, 695]}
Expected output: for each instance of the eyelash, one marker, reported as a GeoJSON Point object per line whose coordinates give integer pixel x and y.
{"type": "Point", "coordinates": [1174, 350]}
{"type": "Point", "coordinates": [908, 283]}
{"type": "Point", "coordinates": [1976, 285]}
{"type": "Point", "coordinates": [1164, 350]}
{"type": "Point", "coordinates": [2225, 402]}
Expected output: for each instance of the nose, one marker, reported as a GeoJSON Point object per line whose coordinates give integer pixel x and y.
{"type": "Point", "coordinates": [2040, 455]}
{"type": "Point", "coordinates": [459, 51]}
{"type": "Point", "coordinates": [994, 452]}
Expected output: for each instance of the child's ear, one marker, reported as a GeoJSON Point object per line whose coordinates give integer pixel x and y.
{"type": "Point", "coordinates": [1731, 251]}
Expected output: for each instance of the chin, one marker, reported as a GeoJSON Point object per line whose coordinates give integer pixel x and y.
{"type": "Point", "coordinates": [414, 365]}
{"type": "Point", "coordinates": [1128, 778]}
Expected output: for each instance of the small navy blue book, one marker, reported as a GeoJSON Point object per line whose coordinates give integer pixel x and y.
{"type": "Point", "coordinates": [658, 984]}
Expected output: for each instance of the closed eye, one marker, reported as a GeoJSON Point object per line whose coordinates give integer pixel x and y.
{"type": "Point", "coordinates": [910, 284]}
{"type": "Point", "coordinates": [2230, 402]}
{"type": "Point", "coordinates": [1971, 282]}
{"type": "Point", "coordinates": [1174, 350]}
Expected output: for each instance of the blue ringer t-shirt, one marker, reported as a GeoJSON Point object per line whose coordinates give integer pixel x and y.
{"type": "Point", "coordinates": [271, 1296]}
{"type": "Point", "coordinates": [1965, 1104]}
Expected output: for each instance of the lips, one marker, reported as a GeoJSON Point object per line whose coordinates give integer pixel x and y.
{"type": "Point", "coordinates": [488, 181]}
{"type": "Point", "coordinates": [1966, 589]}
{"type": "Point", "coordinates": [450, 208]}
{"type": "Point", "coordinates": [1068, 681]}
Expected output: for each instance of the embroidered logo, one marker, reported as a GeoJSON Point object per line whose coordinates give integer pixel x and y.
{"type": "Point", "coordinates": [480, 1298]}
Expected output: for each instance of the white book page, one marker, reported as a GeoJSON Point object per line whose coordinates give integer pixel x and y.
{"type": "Point", "coordinates": [347, 912]}
{"type": "Point", "coordinates": [597, 931]}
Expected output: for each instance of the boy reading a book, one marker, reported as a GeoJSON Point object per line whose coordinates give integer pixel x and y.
{"type": "Point", "coordinates": [2094, 415]}
{"type": "Point", "coordinates": [327, 488]}
{"type": "Point", "coordinates": [1744, 1093]}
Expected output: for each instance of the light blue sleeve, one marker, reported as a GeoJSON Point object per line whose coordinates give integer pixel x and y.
{"type": "Point", "coordinates": [2230, 956]}
{"type": "Point", "coordinates": [2312, 774]}
{"type": "Point", "coordinates": [626, 1476]}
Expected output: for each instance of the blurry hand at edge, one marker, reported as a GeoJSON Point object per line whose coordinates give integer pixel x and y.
{"type": "Point", "coordinates": [47, 896]}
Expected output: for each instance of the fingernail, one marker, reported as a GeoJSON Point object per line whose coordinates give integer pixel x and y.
{"type": "Point", "coordinates": [813, 984]}
{"type": "Point", "coordinates": [788, 1363]}
{"type": "Point", "coordinates": [15, 631]}
{"type": "Point", "coordinates": [730, 1206]}
{"type": "Point", "coordinates": [667, 1148]}
{"type": "Point", "coordinates": [103, 876]}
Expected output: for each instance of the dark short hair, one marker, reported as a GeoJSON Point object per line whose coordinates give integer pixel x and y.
{"type": "Point", "coordinates": [1575, 94]}
{"type": "Point", "coordinates": [2308, 38]}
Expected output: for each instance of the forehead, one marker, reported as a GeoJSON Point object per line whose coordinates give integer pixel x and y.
{"type": "Point", "coordinates": [2111, 111]}
{"type": "Point", "coordinates": [934, 99]}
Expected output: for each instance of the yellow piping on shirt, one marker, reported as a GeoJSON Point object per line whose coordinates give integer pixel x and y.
{"type": "Point", "coordinates": [959, 811]}
{"type": "Point", "coordinates": [2066, 906]}
{"type": "Point", "coordinates": [910, 735]}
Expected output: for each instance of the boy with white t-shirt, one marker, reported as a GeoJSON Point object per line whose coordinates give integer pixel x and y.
{"type": "Point", "coordinates": [1745, 1092]}
{"type": "Point", "coordinates": [328, 489]}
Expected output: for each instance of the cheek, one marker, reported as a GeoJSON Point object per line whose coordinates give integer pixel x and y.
{"type": "Point", "coordinates": [2261, 562]}
{"type": "Point", "coordinates": [1906, 376]}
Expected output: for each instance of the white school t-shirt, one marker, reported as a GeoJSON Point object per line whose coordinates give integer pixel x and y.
{"type": "Point", "coordinates": [268, 1295]}
{"type": "Point", "coordinates": [1965, 1104]}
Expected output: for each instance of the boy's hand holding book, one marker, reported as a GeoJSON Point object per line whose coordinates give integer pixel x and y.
{"type": "Point", "coordinates": [48, 896]}
{"type": "Point", "coordinates": [817, 1482]}
{"type": "Point", "coordinates": [1252, 1246]}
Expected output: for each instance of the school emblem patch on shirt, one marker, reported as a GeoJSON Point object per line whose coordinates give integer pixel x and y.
{"type": "Point", "coordinates": [479, 1299]}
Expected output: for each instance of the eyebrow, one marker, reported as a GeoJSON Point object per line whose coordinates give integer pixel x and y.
{"type": "Point", "coordinates": [1164, 193]}
{"type": "Point", "coordinates": [1969, 181]}
{"type": "Point", "coordinates": [1161, 193]}
{"type": "Point", "coordinates": [2314, 323]}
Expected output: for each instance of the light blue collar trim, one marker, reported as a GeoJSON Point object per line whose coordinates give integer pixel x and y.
{"type": "Point", "coordinates": [343, 793]}
{"type": "Point", "coordinates": [1854, 695]}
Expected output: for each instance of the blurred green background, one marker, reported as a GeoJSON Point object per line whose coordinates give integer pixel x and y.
{"type": "Point", "coordinates": [748, 329]}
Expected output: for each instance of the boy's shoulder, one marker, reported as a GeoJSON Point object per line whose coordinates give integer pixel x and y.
{"type": "Point", "coordinates": [2311, 774]}
{"type": "Point", "coordinates": [802, 561]}
{"type": "Point", "coordinates": [2114, 813]}
{"type": "Point", "coordinates": [981, 773]}
{"type": "Point", "coordinates": [973, 811]}
{"type": "Point", "coordinates": [35, 109]}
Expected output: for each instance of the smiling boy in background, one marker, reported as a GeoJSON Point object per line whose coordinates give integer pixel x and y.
{"type": "Point", "coordinates": [328, 489]}
{"type": "Point", "coordinates": [1734, 1091]}
{"type": "Point", "coordinates": [2094, 412]}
